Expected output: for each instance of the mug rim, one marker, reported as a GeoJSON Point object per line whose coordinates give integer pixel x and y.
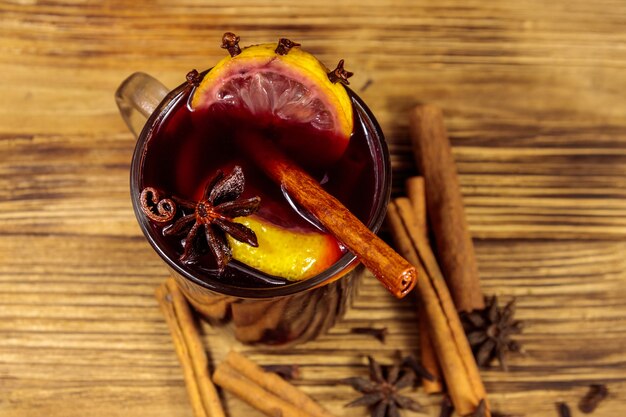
{"type": "Point", "coordinates": [382, 192]}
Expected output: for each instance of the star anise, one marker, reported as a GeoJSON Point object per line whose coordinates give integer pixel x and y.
{"type": "Point", "coordinates": [211, 218]}
{"type": "Point", "coordinates": [489, 332]}
{"type": "Point", "coordinates": [418, 369]}
{"type": "Point", "coordinates": [381, 391]}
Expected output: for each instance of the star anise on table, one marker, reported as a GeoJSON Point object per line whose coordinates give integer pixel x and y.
{"type": "Point", "coordinates": [489, 332]}
{"type": "Point", "coordinates": [209, 219]}
{"type": "Point", "coordinates": [381, 392]}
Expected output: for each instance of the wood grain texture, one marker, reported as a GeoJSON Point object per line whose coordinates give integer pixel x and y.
{"type": "Point", "coordinates": [533, 97]}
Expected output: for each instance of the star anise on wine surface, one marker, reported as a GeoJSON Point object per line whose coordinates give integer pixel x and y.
{"type": "Point", "coordinates": [489, 332]}
{"type": "Point", "coordinates": [381, 392]}
{"type": "Point", "coordinates": [211, 218]}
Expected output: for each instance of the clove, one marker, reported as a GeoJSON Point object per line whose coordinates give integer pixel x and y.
{"type": "Point", "coordinates": [284, 46]}
{"type": "Point", "coordinates": [230, 42]}
{"type": "Point", "coordinates": [193, 78]}
{"type": "Point", "coordinates": [340, 75]}
{"type": "Point", "coordinates": [563, 409]}
{"type": "Point", "coordinates": [379, 334]}
{"type": "Point", "coordinates": [287, 372]}
{"type": "Point", "coordinates": [596, 393]}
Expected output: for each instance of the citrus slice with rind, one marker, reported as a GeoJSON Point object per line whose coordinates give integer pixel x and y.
{"type": "Point", "coordinates": [285, 253]}
{"type": "Point", "coordinates": [291, 94]}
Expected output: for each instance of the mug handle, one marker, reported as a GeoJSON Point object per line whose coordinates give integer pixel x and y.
{"type": "Point", "coordinates": [137, 97]}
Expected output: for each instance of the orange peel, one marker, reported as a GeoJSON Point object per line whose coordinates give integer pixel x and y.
{"type": "Point", "coordinates": [285, 253]}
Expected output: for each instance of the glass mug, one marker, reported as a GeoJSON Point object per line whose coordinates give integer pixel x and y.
{"type": "Point", "coordinates": [275, 315]}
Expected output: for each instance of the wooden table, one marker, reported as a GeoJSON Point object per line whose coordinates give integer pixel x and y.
{"type": "Point", "coordinates": [534, 95]}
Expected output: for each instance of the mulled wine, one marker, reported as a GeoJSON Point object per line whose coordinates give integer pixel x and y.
{"type": "Point", "coordinates": [184, 148]}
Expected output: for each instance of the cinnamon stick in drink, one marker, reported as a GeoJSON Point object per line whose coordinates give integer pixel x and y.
{"type": "Point", "coordinates": [393, 271]}
{"type": "Point", "coordinates": [444, 201]}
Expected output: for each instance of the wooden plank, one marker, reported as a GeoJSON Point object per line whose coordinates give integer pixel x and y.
{"type": "Point", "coordinates": [62, 339]}
{"type": "Point", "coordinates": [533, 96]}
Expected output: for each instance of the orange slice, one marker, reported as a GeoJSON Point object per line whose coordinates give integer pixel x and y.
{"type": "Point", "coordinates": [285, 253]}
{"type": "Point", "coordinates": [290, 93]}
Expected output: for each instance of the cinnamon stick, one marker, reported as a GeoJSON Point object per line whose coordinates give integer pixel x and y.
{"type": "Point", "coordinates": [273, 383]}
{"type": "Point", "coordinates": [256, 387]}
{"type": "Point", "coordinates": [444, 201]}
{"type": "Point", "coordinates": [203, 396]}
{"type": "Point", "coordinates": [429, 262]}
{"type": "Point", "coordinates": [417, 196]}
{"type": "Point", "coordinates": [229, 379]}
{"type": "Point", "coordinates": [428, 357]}
{"type": "Point", "coordinates": [453, 350]}
{"type": "Point", "coordinates": [416, 191]}
{"type": "Point", "coordinates": [394, 272]}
